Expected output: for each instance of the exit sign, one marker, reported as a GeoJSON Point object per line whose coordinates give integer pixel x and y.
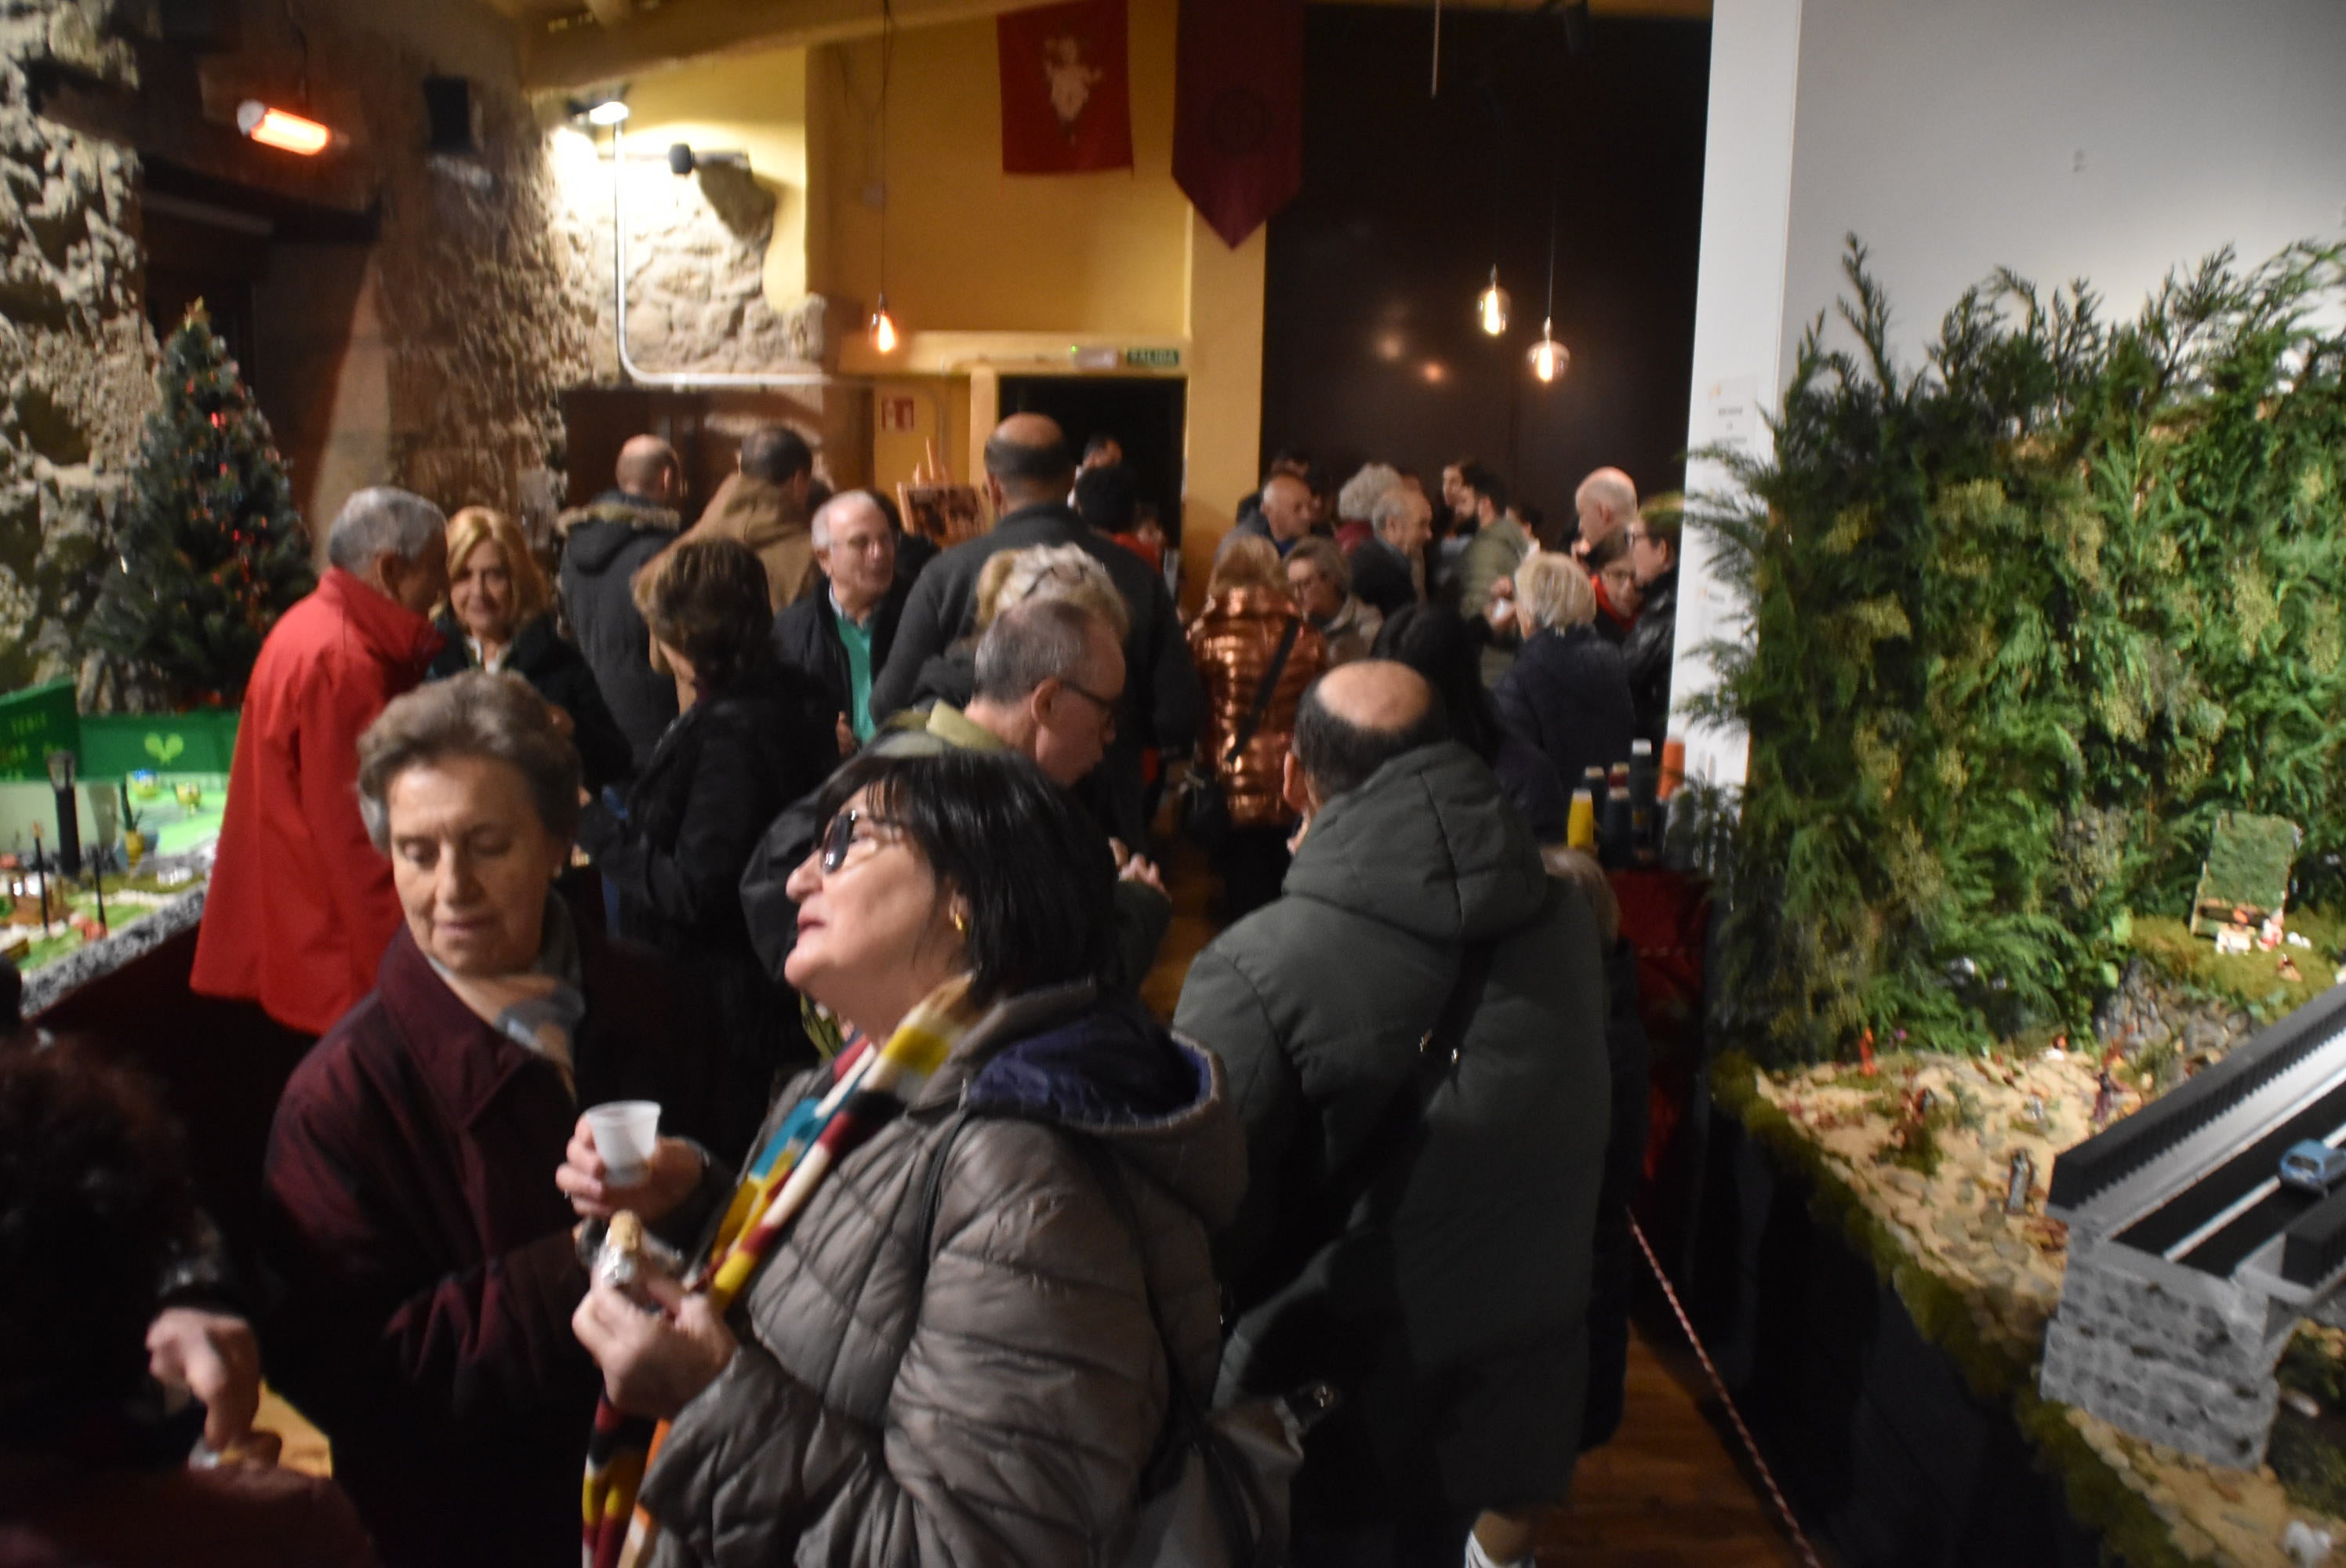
{"type": "Point", "coordinates": [1154, 359]}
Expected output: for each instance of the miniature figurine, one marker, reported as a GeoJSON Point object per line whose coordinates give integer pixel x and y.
{"type": "Point", "coordinates": [1865, 1064]}
{"type": "Point", "coordinates": [2023, 1181]}
{"type": "Point", "coordinates": [2105, 1099]}
{"type": "Point", "coordinates": [2034, 1108]}
{"type": "Point", "coordinates": [2286, 969]}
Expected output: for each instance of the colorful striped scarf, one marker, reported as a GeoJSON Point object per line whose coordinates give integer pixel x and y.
{"type": "Point", "coordinates": [867, 1089]}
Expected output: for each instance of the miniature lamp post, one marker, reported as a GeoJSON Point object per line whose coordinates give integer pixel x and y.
{"type": "Point", "coordinates": [41, 870]}
{"type": "Point", "coordinates": [61, 780]}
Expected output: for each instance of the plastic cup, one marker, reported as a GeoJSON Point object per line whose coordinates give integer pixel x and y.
{"type": "Point", "coordinates": [626, 1133]}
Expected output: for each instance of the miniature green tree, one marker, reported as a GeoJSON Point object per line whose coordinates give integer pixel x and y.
{"type": "Point", "coordinates": [208, 549]}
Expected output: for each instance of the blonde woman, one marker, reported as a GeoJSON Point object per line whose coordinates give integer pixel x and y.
{"type": "Point", "coordinates": [1568, 692]}
{"type": "Point", "coordinates": [1250, 615]}
{"type": "Point", "coordinates": [500, 616]}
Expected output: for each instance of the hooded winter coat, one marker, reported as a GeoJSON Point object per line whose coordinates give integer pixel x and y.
{"type": "Point", "coordinates": [301, 906]}
{"type": "Point", "coordinates": [987, 1392]}
{"type": "Point", "coordinates": [1434, 1263]}
{"type": "Point", "coordinates": [603, 545]}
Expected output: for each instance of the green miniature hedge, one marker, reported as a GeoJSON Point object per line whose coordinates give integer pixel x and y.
{"type": "Point", "coordinates": [2244, 980]}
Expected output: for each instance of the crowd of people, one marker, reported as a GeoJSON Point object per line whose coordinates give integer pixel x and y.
{"type": "Point", "coordinates": [839, 849]}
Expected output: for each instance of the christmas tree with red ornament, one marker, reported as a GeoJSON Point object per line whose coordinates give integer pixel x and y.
{"type": "Point", "coordinates": [208, 551]}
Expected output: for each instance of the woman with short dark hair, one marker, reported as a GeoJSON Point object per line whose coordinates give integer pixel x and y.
{"type": "Point", "coordinates": [750, 735]}
{"type": "Point", "coordinates": [950, 1353]}
{"type": "Point", "coordinates": [427, 1262]}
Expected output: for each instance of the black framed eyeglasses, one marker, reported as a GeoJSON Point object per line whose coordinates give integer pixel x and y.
{"type": "Point", "coordinates": [840, 836]}
{"type": "Point", "coordinates": [1106, 705]}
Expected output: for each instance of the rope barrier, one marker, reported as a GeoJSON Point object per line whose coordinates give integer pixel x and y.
{"type": "Point", "coordinates": [1719, 1385]}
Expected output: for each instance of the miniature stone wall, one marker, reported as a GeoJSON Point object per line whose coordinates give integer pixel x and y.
{"type": "Point", "coordinates": [2161, 1366]}
{"type": "Point", "coordinates": [75, 350]}
{"type": "Point", "coordinates": [2147, 1013]}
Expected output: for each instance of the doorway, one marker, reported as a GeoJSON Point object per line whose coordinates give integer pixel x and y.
{"type": "Point", "coordinates": [1147, 414]}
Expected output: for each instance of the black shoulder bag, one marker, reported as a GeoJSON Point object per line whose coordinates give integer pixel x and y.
{"type": "Point", "coordinates": [1205, 801]}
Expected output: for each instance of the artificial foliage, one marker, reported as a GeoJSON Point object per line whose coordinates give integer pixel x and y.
{"type": "Point", "coordinates": [2024, 620]}
{"type": "Point", "coordinates": [208, 549]}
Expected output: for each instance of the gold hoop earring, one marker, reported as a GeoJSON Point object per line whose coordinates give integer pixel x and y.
{"type": "Point", "coordinates": [960, 923]}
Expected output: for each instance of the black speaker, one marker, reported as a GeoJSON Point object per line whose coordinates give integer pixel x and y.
{"type": "Point", "coordinates": [448, 110]}
{"type": "Point", "coordinates": [199, 27]}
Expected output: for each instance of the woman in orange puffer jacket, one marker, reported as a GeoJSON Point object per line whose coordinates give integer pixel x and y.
{"type": "Point", "coordinates": [1234, 642]}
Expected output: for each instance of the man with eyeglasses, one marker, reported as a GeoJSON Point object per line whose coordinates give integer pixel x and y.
{"type": "Point", "coordinates": [1028, 473]}
{"type": "Point", "coordinates": [1651, 646]}
{"type": "Point", "coordinates": [1050, 681]}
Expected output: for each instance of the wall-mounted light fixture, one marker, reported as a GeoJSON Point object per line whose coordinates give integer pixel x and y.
{"type": "Point", "coordinates": [283, 129]}
{"type": "Point", "coordinates": [606, 106]}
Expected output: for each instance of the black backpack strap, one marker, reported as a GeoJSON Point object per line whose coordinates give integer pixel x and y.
{"type": "Point", "coordinates": [1438, 1050]}
{"type": "Point", "coordinates": [1266, 690]}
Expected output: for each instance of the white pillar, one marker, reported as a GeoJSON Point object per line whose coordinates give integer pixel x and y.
{"type": "Point", "coordinates": [1738, 323]}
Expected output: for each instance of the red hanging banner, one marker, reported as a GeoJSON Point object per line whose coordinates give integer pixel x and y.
{"type": "Point", "coordinates": [1237, 115]}
{"type": "Point", "coordinates": [1067, 92]}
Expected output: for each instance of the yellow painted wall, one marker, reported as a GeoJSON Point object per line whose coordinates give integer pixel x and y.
{"type": "Point", "coordinates": [971, 248]}
{"type": "Point", "coordinates": [755, 103]}
{"type": "Point", "coordinates": [1114, 259]}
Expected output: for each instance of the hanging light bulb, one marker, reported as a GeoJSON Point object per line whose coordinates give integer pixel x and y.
{"type": "Point", "coordinates": [1490, 305]}
{"type": "Point", "coordinates": [1550, 358]}
{"type": "Point", "coordinates": [883, 328]}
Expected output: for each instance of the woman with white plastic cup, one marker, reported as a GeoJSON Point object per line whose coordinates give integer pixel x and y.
{"type": "Point", "coordinates": [626, 1133]}
{"type": "Point", "coordinates": [429, 1264]}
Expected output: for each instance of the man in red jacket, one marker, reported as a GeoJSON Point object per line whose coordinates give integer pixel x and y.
{"type": "Point", "coordinates": [302, 907]}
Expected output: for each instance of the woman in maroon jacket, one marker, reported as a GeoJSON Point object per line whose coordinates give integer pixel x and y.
{"type": "Point", "coordinates": [430, 1269]}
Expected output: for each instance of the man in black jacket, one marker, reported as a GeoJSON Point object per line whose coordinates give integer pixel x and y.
{"type": "Point", "coordinates": [1028, 475]}
{"type": "Point", "coordinates": [1388, 570]}
{"type": "Point", "coordinates": [839, 635]}
{"type": "Point", "coordinates": [604, 545]}
{"type": "Point", "coordinates": [1652, 644]}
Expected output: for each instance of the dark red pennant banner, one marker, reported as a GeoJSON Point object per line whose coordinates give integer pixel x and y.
{"type": "Point", "coordinates": [1067, 91]}
{"type": "Point", "coordinates": [1238, 116]}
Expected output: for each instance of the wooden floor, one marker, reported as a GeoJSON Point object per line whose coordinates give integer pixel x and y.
{"type": "Point", "coordinates": [1667, 1490]}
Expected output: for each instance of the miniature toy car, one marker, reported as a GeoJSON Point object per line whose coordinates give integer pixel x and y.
{"type": "Point", "coordinates": [2313, 1167]}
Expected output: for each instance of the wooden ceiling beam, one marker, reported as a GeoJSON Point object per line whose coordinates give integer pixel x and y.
{"type": "Point", "coordinates": [577, 52]}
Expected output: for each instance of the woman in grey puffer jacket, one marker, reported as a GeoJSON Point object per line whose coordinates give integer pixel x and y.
{"type": "Point", "coordinates": [978, 1380]}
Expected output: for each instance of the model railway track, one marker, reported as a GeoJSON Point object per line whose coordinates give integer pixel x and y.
{"type": "Point", "coordinates": [2213, 1224]}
